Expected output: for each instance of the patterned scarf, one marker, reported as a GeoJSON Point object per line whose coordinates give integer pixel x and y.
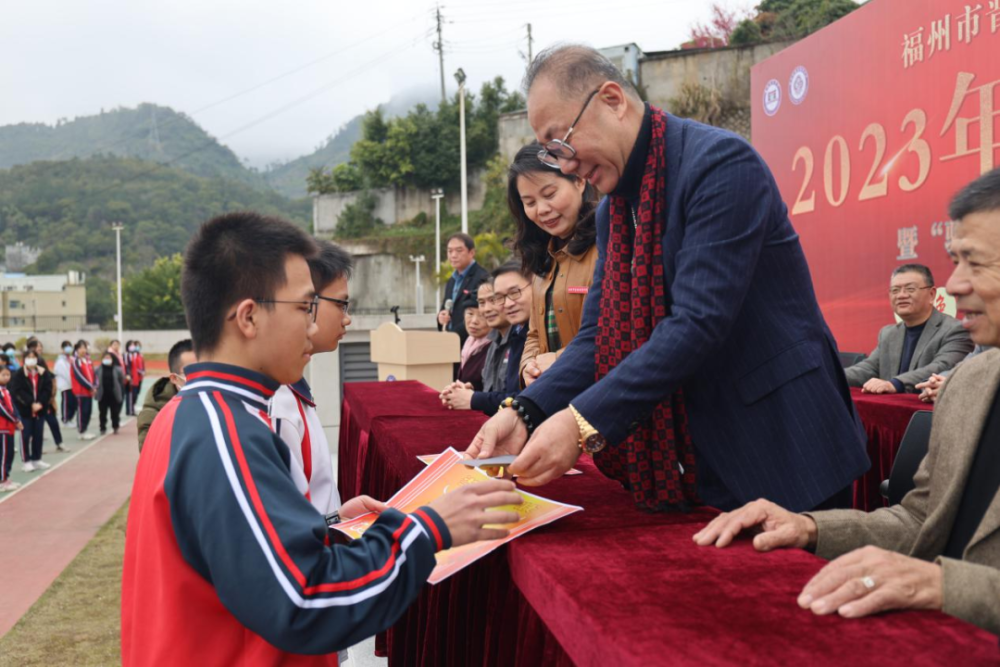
{"type": "Point", "coordinates": [634, 298]}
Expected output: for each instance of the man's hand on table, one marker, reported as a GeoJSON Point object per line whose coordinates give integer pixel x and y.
{"type": "Point", "coordinates": [360, 505]}
{"type": "Point", "coordinates": [466, 511]}
{"type": "Point", "coordinates": [878, 386]}
{"type": "Point", "coordinates": [776, 527]}
{"type": "Point", "coordinates": [504, 433]}
{"type": "Point", "coordinates": [550, 453]}
{"type": "Point", "coordinates": [870, 580]}
{"type": "Point", "coordinates": [929, 390]}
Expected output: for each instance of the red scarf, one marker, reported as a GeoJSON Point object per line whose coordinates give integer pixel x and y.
{"type": "Point", "coordinates": [632, 303]}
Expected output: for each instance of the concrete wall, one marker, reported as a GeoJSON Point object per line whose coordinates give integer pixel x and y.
{"type": "Point", "coordinates": [382, 280]}
{"type": "Point", "coordinates": [514, 132]}
{"type": "Point", "coordinates": [396, 204]}
{"type": "Point", "coordinates": [153, 342]}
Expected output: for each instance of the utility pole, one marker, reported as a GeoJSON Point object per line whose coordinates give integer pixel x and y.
{"type": "Point", "coordinates": [439, 47]}
{"type": "Point", "coordinates": [420, 286]}
{"type": "Point", "coordinates": [530, 41]}
{"type": "Point", "coordinates": [460, 78]}
{"type": "Point", "coordinates": [436, 195]}
{"type": "Point", "coordinates": [117, 226]}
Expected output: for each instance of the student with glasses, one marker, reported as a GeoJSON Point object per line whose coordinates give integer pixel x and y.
{"type": "Point", "coordinates": [556, 239]}
{"type": "Point", "coordinates": [923, 343]}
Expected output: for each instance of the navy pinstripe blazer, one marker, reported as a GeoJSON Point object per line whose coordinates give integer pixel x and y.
{"type": "Point", "coordinates": [770, 411]}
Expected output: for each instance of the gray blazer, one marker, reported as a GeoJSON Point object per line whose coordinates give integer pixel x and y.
{"type": "Point", "coordinates": [942, 345]}
{"type": "Point", "coordinates": [119, 383]}
{"type": "Point", "coordinates": [921, 525]}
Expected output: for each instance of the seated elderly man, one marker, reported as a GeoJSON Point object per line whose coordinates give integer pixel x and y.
{"type": "Point", "coordinates": [924, 343]}
{"type": "Point", "coordinates": [940, 547]}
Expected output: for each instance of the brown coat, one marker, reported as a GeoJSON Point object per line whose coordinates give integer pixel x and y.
{"type": "Point", "coordinates": [921, 525]}
{"type": "Point", "coordinates": [573, 276]}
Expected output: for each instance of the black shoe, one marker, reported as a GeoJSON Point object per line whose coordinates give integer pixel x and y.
{"type": "Point", "coordinates": [116, 431]}
{"type": "Point", "coordinates": [103, 431]}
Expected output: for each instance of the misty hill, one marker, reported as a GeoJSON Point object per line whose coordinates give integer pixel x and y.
{"type": "Point", "coordinates": [65, 209]}
{"type": "Point", "coordinates": [290, 178]}
{"type": "Point", "coordinates": [148, 132]}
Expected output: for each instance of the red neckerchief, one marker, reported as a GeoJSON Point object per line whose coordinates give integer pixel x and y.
{"type": "Point", "coordinates": [634, 298]}
{"type": "Point", "coordinates": [34, 384]}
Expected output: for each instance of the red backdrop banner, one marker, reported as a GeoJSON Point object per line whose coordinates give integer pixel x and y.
{"type": "Point", "coordinates": [870, 126]}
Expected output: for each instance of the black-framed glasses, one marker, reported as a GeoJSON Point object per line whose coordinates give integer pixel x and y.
{"type": "Point", "coordinates": [344, 305]}
{"type": "Point", "coordinates": [908, 290]}
{"type": "Point", "coordinates": [514, 293]}
{"type": "Point", "coordinates": [313, 305]}
{"type": "Point", "coordinates": [559, 149]}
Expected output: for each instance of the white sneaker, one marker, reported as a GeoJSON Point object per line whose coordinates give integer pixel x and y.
{"type": "Point", "coordinates": [9, 486]}
{"type": "Point", "coordinates": [28, 467]}
{"type": "Point", "coordinates": [42, 465]}
{"type": "Point", "coordinates": [87, 436]}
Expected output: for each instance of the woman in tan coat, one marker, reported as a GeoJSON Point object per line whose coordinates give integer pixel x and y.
{"type": "Point", "coordinates": [556, 239]}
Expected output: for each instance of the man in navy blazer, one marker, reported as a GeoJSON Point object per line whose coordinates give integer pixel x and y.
{"type": "Point", "coordinates": [769, 407]}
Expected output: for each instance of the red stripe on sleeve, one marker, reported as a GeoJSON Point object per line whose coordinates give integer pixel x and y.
{"type": "Point", "coordinates": [434, 529]}
{"type": "Point", "coordinates": [272, 534]}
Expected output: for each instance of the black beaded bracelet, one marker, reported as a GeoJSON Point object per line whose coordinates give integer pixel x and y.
{"type": "Point", "coordinates": [523, 415]}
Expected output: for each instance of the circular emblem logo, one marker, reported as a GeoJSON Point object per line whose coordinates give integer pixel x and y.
{"type": "Point", "coordinates": [390, 378]}
{"type": "Point", "coordinates": [798, 85]}
{"type": "Point", "coordinates": [772, 97]}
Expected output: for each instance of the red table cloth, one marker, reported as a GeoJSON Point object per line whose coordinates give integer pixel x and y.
{"type": "Point", "coordinates": [612, 585]}
{"type": "Point", "coordinates": [885, 417]}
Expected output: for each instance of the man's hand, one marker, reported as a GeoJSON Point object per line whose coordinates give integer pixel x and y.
{"type": "Point", "coordinates": [895, 582]}
{"type": "Point", "coordinates": [877, 386]}
{"type": "Point", "coordinates": [504, 433]}
{"type": "Point", "coordinates": [444, 317]}
{"type": "Point", "coordinates": [930, 389]}
{"type": "Point", "coordinates": [361, 505]}
{"type": "Point", "coordinates": [466, 511]}
{"type": "Point", "coordinates": [777, 527]}
{"type": "Point", "coordinates": [553, 449]}
{"type": "Point", "coordinates": [458, 398]}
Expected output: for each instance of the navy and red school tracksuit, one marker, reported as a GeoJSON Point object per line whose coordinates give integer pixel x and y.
{"type": "Point", "coordinates": [8, 430]}
{"type": "Point", "coordinates": [135, 367]}
{"type": "Point", "coordinates": [83, 389]}
{"type": "Point", "coordinates": [227, 562]}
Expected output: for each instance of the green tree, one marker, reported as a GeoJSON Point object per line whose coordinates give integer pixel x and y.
{"type": "Point", "coordinates": [101, 301]}
{"type": "Point", "coordinates": [358, 218]}
{"type": "Point", "coordinates": [151, 299]}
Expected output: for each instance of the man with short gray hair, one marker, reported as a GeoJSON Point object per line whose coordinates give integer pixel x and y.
{"type": "Point", "coordinates": [923, 343]}
{"type": "Point", "coordinates": [717, 379]}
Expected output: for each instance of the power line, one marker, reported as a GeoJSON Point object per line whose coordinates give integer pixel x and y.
{"type": "Point", "coordinates": [246, 91]}
{"type": "Point", "coordinates": [275, 112]}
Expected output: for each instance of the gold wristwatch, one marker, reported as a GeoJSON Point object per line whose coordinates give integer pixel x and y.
{"type": "Point", "coordinates": [590, 441]}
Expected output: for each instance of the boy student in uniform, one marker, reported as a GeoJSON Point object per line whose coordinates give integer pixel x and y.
{"type": "Point", "coordinates": [110, 386]}
{"type": "Point", "coordinates": [32, 390]}
{"type": "Point", "coordinates": [64, 382]}
{"type": "Point", "coordinates": [181, 355]}
{"type": "Point", "coordinates": [51, 412]}
{"type": "Point", "coordinates": [293, 410]}
{"type": "Point", "coordinates": [226, 561]}
{"type": "Point", "coordinates": [84, 381]}
{"type": "Point", "coordinates": [10, 423]}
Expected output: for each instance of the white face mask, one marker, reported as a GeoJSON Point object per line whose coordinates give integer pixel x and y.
{"type": "Point", "coordinates": [31, 362]}
{"type": "Point", "coordinates": [68, 349]}
{"type": "Point", "coordinates": [107, 362]}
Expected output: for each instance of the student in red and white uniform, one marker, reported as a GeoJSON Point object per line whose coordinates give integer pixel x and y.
{"type": "Point", "coordinates": [84, 387]}
{"type": "Point", "coordinates": [10, 423]}
{"type": "Point", "coordinates": [135, 371]}
{"type": "Point", "coordinates": [293, 410]}
{"type": "Point", "coordinates": [226, 562]}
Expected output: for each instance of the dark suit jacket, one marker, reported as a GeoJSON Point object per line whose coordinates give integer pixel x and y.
{"type": "Point", "coordinates": [943, 343]}
{"type": "Point", "coordinates": [23, 396]}
{"type": "Point", "coordinates": [466, 298]}
{"type": "Point", "coordinates": [769, 406]}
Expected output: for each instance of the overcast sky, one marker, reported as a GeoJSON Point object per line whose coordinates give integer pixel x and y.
{"type": "Point", "coordinates": [220, 61]}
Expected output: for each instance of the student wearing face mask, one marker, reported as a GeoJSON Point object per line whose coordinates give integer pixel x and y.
{"type": "Point", "coordinates": [32, 393]}
{"type": "Point", "coordinates": [135, 370]}
{"type": "Point", "coordinates": [110, 387]}
{"type": "Point", "coordinates": [64, 382]}
{"type": "Point", "coordinates": [163, 390]}
{"type": "Point", "coordinates": [83, 387]}
{"type": "Point", "coordinates": [10, 352]}
{"type": "Point", "coordinates": [10, 424]}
